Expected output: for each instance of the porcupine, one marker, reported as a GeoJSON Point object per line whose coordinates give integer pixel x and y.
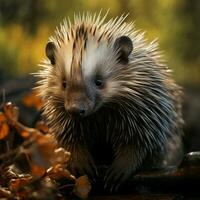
{"type": "Point", "coordinates": [106, 89]}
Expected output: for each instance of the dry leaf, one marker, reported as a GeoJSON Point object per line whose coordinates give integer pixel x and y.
{"type": "Point", "coordinates": [46, 145]}
{"type": "Point", "coordinates": [4, 192]}
{"type": "Point", "coordinates": [16, 184]}
{"type": "Point", "coordinates": [41, 126]}
{"type": "Point", "coordinates": [25, 134]}
{"type": "Point", "coordinates": [4, 128]}
{"type": "Point", "coordinates": [2, 117]}
{"type": "Point", "coordinates": [32, 100]}
{"type": "Point", "coordinates": [37, 170]}
{"type": "Point", "coordinates": [11, 112]}
{"type": "Point", "coordinates": [60, 156]}
{"type": "Point", "coordinates": [41, 153]}
{"type": "Point", "coordinates": [82, 187]}
{"type": "Point", "coordinates": [59, 171]}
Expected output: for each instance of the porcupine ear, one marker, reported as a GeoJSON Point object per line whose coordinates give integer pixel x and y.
{"type": "Point", "coordinates": [124, 45]}
{"type": "Point", "coordinates": [50, 52]}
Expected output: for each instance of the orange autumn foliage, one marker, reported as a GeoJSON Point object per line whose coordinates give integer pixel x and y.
{"type": "Point", "coordinates": [32, 100]}
{"type": "Point", "coordinates": [46, 160]}
{"type": "Point", "coordinates": [4, 128]}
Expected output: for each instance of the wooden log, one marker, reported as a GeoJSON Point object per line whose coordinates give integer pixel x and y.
{"type": "Point", "coordinates": [184, 178]}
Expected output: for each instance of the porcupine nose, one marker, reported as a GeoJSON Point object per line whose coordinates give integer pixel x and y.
{"type": "Point", "coordinates": [76, 110]}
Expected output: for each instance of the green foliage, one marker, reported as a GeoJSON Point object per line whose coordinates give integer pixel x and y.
{"type": "Point", "coordinates": [8, 57]}
{"type": "Point", "coordinates": [28, 13]}
{"type": "Point", "coordinates": [25, 26]}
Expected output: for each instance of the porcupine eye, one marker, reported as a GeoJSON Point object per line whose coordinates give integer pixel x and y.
{"type": "Point", "coordinates": [64, 84]}
{"type": "Point", "coordinates": [98, 81]}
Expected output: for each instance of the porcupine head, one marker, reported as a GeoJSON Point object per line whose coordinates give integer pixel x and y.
{"type": "Point", "coordinates": [104, 86]}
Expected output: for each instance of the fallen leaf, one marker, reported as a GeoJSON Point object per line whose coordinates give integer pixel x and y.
{"type": "Point", "coordinates": [25, 134]}
{"type": "Point", "coordinates": [60, 156]}
{"type": "Point", "coordinates": [59, 171]}
{"type": "Point", "coordinates": [4, 192]}
{"type": "Point", "coordinates": [37, 170]}
{"type": "Point", "coordinates": [38, 156]}
{"type": "Point", "coordinates": [32, 100]}
{"type": "Point", "coordinates": [4, 130]}
{"type": "Point", "coordinates": [2, 117]}
{"type": "Point", "coordinates": [41, 152]}
{"type": "Point", "coordinates": [82, 187]}
{"type": "Point", "coordinates": [11, 112]}
{"type": "Point", "coordinates": [41, 126]}
{"type": "Point", "coordinates": [16, 184]}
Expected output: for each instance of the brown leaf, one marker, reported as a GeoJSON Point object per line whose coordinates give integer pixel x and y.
{"type": "Point", "coordinates": [82, 187]}
{"type": "Point", "coordinates": [60, 156]}
{"type": "Point", "coordinates": [25, 134]}
{"type": "Point", "coordinates": [9, 173]}
{"type": "Point", "coordinates": [59, 171]}
{"type": "Point", "coordinates": [41, 126]}
{"type": "Point", "coordinates": [44, 157]}
{"type": "Point", "coordinates": [32, 100]}
{"type": "Point", "coordinates": [42, 151]}
{"type": "Point", "coordinates": [4, 192]}
{"type": "Point", "coordinates": [16, 184]}
{"type": "Point", "coordinates": [11, 112]}
{"type": "Point", "coordinates": [46, 146]}
{"type": "Point", "coordinates": [2, 117]}
{"type": "Point", "coordinates": [37, 170]}
{"type": "Point", "coordinates": [4, 130]}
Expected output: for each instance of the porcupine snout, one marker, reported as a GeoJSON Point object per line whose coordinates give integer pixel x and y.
{"type": "Point", "coordinates": [77, 104]}
{"type": "Point", "coordinates": [76, 109]}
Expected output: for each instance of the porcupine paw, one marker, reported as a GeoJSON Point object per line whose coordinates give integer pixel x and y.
{"type": "Point", "coordinates": [116, 175]}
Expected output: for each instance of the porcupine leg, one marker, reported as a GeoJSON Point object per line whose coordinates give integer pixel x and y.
{"type": "Point", "coordinates": [81, 162]}
{"type": "Point", "coordinates": [171, 156]}
{"type": "Point", "coordinates": [124, 165]}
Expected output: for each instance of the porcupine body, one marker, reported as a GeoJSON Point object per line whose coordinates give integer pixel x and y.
{"type": "Point", "coordinates": [109, 99]}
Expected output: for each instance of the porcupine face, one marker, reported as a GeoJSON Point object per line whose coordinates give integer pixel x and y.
{"type": "Point", "coordinates": [84, 65]}
{"type": "Point", "coordinates": [90, 65]}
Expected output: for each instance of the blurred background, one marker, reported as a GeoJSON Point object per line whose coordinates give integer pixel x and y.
{"type": "Point", "coordinates": [25, 26]}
